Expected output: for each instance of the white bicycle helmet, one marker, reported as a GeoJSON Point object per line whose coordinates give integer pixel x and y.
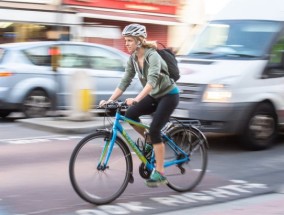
{"type": "Point", "coordinates": [134, 30]}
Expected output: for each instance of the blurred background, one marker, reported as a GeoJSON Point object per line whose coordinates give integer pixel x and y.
{"type": "Point", "coordinates": [231, 83]}
{"type": "Point", "coordinates": [172, 22]}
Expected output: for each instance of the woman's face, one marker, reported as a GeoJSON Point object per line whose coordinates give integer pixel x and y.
{"type": "Point", "coordinates": [130, 44]}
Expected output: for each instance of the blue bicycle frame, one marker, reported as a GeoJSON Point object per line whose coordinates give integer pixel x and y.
{"type": "Point", "coordinates": [117, 127]}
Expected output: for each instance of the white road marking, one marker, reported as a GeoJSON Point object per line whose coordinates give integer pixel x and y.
{"type": "Point", "coordinates": [229, 192]}
{"type": "Point", "coordinates": [42, 139]}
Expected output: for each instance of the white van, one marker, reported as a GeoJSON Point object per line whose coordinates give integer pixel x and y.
{"type": "Point", "coordinates": [234, 73]}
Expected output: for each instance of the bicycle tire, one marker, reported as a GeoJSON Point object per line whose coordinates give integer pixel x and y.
{"type": "Point", "coordinates": [190, 174]}
{"type": "Point", "coordinates": [99, 186]}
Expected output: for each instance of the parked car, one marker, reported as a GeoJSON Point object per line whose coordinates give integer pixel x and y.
{"type": "Point", "coordinates": [235, 80]}
{"type": "Point", "coordinates": [29, 84]}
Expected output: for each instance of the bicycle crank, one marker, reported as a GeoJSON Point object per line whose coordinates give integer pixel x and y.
{"type": "Point", "coordinates": [144, 172]}
{"type": "Point", "coordinates": [182, 170]}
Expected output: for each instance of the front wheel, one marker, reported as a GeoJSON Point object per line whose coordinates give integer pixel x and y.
{"type": "Point", "coordinates": [36, 104]}
{"type": "Point", "coordinates": [99, 185]}
{"type": "Point", "coordinates": [186, 176]}
{"type": "Point", "coordinates": [4, 113]}
{"type": "Point", "coordinates": [261, 128]}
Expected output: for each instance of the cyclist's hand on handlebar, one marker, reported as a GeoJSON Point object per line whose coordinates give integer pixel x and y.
{"type": "Point", "coordinates": [103, 103]}
{"type": "Point", "coordinates": [130, 101]}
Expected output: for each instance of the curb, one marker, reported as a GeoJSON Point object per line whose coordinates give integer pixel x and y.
{"type": "Point", "coordinates": [64, 125]}
{"type": "Point", "coordinates": [68, 126]}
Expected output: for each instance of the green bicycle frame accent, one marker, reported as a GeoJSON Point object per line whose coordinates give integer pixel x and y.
{"type": "Point", "coordinates": [117, 127]}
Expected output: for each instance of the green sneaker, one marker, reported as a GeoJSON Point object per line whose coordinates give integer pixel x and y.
{"type": "Point", "coordinates": [156, 179]}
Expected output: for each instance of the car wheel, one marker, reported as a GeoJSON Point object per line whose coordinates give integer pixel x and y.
{"type": "Point", "coordinates": [36, 104]}
{"type": "Point", "coordinates": [4, 113]}
{"type": "Point", "coordinates": [261, 128]}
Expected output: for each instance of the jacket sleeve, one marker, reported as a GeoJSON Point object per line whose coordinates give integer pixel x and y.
{"type": "Point", "coordinates": [128, 76]}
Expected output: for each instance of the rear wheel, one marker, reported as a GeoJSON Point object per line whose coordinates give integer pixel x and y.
{"type": "Point", "coordinates": [36, 104]}
{"type": "Point", "coordinates": [188, 175]}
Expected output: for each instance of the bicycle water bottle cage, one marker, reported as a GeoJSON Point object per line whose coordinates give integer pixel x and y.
{"type": "Point", "coordinates": [140, 144]}
{"type": "Point", "coordinates": [147, 137]}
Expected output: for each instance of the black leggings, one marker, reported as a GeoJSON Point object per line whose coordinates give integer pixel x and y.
{"type": "Point", "coordinates": [162, 108]}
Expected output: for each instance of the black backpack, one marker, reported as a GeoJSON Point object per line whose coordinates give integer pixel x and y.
{"type": "Point", "coordinates": [170, 58]}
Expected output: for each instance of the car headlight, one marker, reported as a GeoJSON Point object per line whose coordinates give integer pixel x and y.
{"type": "Point", "coordinates": [217, 93]}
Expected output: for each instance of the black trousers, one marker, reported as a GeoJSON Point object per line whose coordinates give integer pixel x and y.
{"type": "Point", "coordinates": [162, 108]}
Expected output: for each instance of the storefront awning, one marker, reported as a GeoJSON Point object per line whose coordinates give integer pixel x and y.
{"type": "Point", "coordinates": [128, 16]}
{"type": "Point", "coordinates": [33, 16]}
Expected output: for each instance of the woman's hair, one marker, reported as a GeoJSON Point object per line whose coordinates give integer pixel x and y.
{"type": "Point", "coordinates": [147, 44]}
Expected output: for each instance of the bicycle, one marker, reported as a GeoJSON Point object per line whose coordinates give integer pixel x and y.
{"type": "Point", "coordinates": [107, 151]}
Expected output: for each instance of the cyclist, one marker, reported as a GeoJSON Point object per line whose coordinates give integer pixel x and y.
{"type": "Point", "coordinates": [160, 94]}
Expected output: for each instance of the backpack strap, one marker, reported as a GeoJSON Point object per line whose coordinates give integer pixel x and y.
{"type": "Point", "coordinates": [161, 44]}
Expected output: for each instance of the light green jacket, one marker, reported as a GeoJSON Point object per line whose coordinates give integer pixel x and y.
{"type": "Point", "coordinates": [151, 74]}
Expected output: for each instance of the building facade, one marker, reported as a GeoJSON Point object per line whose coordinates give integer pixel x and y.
{"type": "Point", "coordinates": [30, 20]}
{"type": "Point", "coordinates": [103, 21]}
{"type": "Point", "coordinates": [85, 20]}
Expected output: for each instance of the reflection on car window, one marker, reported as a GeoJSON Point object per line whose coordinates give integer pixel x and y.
{"type": "Point", "coordinates": [276, 61]}
{"type": "Point", "coordinates": [80, 56]}
{"type": "Point", "coordinates": [103, 59]}
{"type": "Point", "coordinates": [73, 56]}
{"type": "Point", "coordinates": [2, 51]}
{"type": "Point", "coordinates": [277, 51]}
{"type": "Point", "coordinates": [39, 55]}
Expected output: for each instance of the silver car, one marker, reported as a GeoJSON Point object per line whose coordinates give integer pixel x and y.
{"type": "Point", "coordinates": [28, 83]}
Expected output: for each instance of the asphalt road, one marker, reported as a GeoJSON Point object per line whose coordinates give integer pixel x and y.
{"type": "Point", "coordinates": [34, 176]}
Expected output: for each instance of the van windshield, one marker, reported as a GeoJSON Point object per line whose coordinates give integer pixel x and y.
{"type": "Point", "coordinates": [235, 39]}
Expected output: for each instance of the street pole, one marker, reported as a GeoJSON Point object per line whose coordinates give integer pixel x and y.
{"type": "Point", "coordinates": [55, 55]}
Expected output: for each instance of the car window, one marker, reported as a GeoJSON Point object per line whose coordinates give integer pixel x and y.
{"type": "Point", "coordinates": [2, 52]}
{"type": "Point", "coordinates": [237, 38]}
{"type": "Point", "coordinates": [277, 51]}
{"type": "Point", "coordinates": [104, 59]}
{"type": "Point", "coordinates": [39, 55]}
{"type": "Point", "coordinates": [81, 56]}
{"type": "Point", "coordinates": [73, 56]}
{"type": "Point", "coordinates": [275, 67]}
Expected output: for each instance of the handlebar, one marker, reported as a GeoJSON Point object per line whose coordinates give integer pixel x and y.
{"type": "Point", "coordinates": [115, 105]}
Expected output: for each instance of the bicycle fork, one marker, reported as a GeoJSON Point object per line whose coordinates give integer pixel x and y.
{"type": "Point", "coordinates": [106, 152]}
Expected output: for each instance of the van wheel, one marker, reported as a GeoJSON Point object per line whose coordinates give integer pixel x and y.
{"type": "Point", "coordinates": [36, 104]}
{"type": "Point", "coordinates": [261, 128]}
{"type": "Point", "coordinates": [4, 113]}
